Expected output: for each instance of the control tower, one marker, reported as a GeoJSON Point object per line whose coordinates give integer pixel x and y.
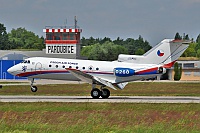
{"type": "Point", "coordinates": [63, 41]}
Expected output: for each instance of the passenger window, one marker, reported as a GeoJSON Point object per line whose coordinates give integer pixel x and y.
{"type": "Point", "coordinates": [83, 68]}
{"type": "Point", "coordinates": [70, 66]}
{"type": "Point", "coordinates": [76, 67]}
{"type": "Point", "coordinates": [63, 66]}
{"type": "Point", "coordinates": [28, 61]}
{"type": "Point", "coordinates": [56, 66]}
{"type": "Point", "coordinates": [97, 68]}
{"type": "Point", "coordinates": [49, 65]}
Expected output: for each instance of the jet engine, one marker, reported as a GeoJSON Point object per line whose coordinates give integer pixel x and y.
{"type": "Point", "coordinates": [161, 70]}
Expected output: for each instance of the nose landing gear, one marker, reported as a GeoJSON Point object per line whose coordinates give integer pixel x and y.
{"type": "Point", "coordinates": [33, 88]}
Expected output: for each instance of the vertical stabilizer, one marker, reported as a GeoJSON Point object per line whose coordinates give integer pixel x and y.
{"type": "Point", "coordinates": [165, 53]}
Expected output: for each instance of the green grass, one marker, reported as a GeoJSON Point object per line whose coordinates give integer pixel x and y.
{"type": "Point", "coordinates": [102, 117]}
{"type": "Point", "coordinates": [132, 89]}
{"type": "Point", "coordinates": [12, 82]}
{"type": "Point", "coordinates": [99, 117]}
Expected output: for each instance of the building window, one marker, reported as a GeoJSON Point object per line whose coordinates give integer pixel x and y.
{"type": "Point", "coordinates": [65, 36]}
{"type": "Point", "coordinates": [49, 36]}
{"type": "Point", "coordinates": [71, 36]}
{"type": "Point", "coordinates": [56, 36]}
{"type": "Point", "coordinates": [187, 73]}
{"type": "Point", "coordinates": [179, 64]}
{"type": "Point", "coordinates": [197, 74]}
{"type": "Point", "coordinates": [188, 65]}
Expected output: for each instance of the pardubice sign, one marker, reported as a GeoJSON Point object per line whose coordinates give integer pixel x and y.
{"type": "Point", "coordinates": [60, 49]}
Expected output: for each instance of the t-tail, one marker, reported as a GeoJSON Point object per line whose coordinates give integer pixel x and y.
{"type": "Point", "coordinates": [165, 53]}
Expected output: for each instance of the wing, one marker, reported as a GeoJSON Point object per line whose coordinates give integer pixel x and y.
{"type": "Point", "coordinates": [91, 79]}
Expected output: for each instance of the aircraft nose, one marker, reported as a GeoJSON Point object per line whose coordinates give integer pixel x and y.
{"type": "Point", "coordinates": [10, 70]}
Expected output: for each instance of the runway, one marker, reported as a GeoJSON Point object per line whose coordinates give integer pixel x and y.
{"type": "Point", "coordinates": [111, 99]}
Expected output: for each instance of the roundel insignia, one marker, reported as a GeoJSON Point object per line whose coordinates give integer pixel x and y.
{"type": "Point", "coordinates": [160, 53]}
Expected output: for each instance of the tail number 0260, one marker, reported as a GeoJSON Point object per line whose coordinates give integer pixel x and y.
{"type": "Point", "coordinates": [123, 72]}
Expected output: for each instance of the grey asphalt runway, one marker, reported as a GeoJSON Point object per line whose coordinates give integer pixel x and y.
{"type": "Point", "coordinates": [111, 99]}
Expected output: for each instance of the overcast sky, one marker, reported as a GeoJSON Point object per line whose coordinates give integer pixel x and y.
{"type": "Point", "coordinates": [154, 20]}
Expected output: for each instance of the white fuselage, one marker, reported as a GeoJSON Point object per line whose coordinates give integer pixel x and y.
{"type": "Point", "coordinates": [55, 68]}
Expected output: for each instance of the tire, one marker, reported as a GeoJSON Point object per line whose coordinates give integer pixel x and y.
{"type": "Point", "coordinates": [95, 93]}
{"type": "Point", "coordinates": [105, 93]}
{"type": "Point", "coordinates": [33, 88]}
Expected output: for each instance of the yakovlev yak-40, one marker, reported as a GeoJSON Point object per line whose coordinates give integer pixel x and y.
{"type": "Point", "coordinates": [115, 74]}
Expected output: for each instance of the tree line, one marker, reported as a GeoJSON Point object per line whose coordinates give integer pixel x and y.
{"type": "Point", "coordinates": [92, 48]}
{"type": "Point", "coordinates": [106, 49]}
{"type": "Point", "coordinates": [19, 38]}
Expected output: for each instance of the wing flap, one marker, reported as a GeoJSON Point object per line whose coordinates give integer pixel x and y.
{"type": "Point", "coordinates": [121, 85]}
{"type": "Point", "coordinates": [107, 83]}
{"type": "Point", "coordinates": [89, 78]}
{"type": "Point", "coordinates": [81, 75]}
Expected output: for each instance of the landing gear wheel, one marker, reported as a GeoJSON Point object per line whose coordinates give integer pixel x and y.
{"type": "Point", "coordinates": [105, 93]}
{"type": "Point", "coordinates": [95, 93]}
{"type": "Point", "coordinates": [33, 88]}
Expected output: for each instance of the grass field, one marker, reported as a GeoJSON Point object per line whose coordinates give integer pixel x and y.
{"type": "Point", "coordinates": [99, 117]}
{"type": "Point", "coordinates": [102, 117]}
{"type": "Point", "coordinates": [132, 89]}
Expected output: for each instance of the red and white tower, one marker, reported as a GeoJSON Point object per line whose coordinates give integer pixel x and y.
{"type": "Point", "coordinates": [63, 40]}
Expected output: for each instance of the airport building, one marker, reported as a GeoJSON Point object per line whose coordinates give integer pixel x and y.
{"type": "Point", "coordinates": [190, 70]}
{"type": "Point", "coordinates": [60, 41]}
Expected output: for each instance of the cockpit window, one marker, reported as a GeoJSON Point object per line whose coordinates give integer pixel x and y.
{"type": "Point", "coordinates": [26, 61]}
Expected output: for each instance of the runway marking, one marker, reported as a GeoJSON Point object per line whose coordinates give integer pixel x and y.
{"type": "Point", "coordinates": [112, 99]}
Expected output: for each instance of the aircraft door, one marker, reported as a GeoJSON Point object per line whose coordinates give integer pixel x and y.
{"type": "Point", "coordinates": [38, 66]}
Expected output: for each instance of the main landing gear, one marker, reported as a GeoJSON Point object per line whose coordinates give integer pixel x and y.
{"type": "Point", "coordinates": [103, 92]}
{"type": "Point", "coordinates": [95, 93]}
{"type": "Point", "coordinates": [33, 88]}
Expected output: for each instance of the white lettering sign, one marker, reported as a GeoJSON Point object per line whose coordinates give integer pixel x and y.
{"type": "Point", "coordinates": [60, 49]}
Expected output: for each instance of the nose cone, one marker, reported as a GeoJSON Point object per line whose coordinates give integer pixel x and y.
{"type": "Point", "coordinates": [11, 70]}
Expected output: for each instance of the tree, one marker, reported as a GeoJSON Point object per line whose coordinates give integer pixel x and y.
{"type": "Point", "coordinates": [4, 43]}
{"type": "Point", "coordinates": [198, 53]}
{"type": "Point", "coordinates": [20, 38]}
{"type": "Point", "coordinates": [177, 72]}
{"type": "Point", "coordinates": [186, 37]}
{"type": "Point", "coordinates": [198, 39]}
{"type": "Point", "coordinates": [139, 51]}
{"type": "Point", "coordinates": [107, 51]}
{"type": "Point", "coordinates": [190, 51]}
{"type": "Point", "coordinates": [177, 36]}
{"type": "Point", "coordinates": [118, 41]}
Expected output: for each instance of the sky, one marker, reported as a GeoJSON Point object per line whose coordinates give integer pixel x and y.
{"type": "Point", "coordinates": [154, 20]}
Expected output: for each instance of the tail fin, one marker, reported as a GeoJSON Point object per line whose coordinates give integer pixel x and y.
{"type": "Point", "coordinates": [165, 53]}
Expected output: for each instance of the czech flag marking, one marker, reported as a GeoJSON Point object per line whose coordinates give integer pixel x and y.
{"type": "Point", "coordinates": [160, 53]}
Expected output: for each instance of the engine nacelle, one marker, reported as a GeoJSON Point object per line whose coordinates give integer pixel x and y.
{"type": "Point", "coordinates": [124, 72]}
{"type": "Point", "coordinates": [161, 70]}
